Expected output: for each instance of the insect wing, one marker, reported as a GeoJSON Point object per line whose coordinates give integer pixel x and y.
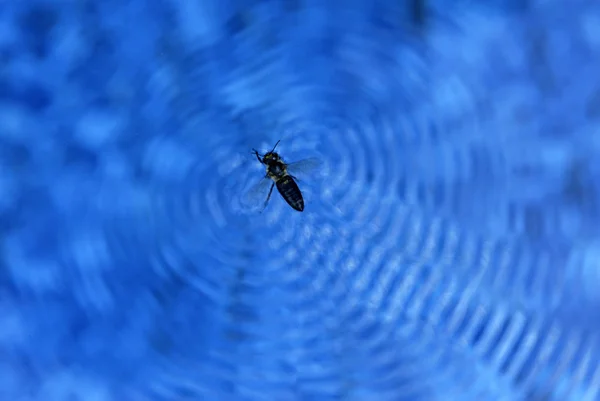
{"type": "Point", "coordinates": [304, 166]}
{"type": "Point", "coordinates": [255, 197]}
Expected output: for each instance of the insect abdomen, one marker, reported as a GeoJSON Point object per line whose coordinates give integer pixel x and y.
{"type": "Point", "coordinates": [289, 190]}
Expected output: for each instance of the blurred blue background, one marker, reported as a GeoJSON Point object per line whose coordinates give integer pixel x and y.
{"type": "Point", "coordinates": [449, 248]}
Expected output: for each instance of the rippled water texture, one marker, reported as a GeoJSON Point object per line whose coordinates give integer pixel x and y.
{"type": "Point", "coordinates": [450, 244]}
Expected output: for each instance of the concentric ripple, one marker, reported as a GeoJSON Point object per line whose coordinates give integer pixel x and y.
{"type": "Point", "coordinates": [311, 272]}
{"type": "Point", "coordinates": [444, 249]}
{"type": "Point", "coordinates": [312, 305]}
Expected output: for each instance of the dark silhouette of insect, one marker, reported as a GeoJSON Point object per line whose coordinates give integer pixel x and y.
{"type": "Point", "coordinates": [279, 174]}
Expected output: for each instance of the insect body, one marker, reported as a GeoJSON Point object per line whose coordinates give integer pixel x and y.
{"type": "Point", "coordinates": [278, 174]}
{"type": "Point", "coordinates": [286, 185]}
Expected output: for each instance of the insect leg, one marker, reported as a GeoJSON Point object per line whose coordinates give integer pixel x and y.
{"type": "Point", "coordinates": [268, 196]}
{"type": "Point", "coordinates": [257, 156]}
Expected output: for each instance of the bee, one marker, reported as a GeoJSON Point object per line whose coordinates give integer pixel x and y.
{"type": "Point", "coordinates": [279, 174]}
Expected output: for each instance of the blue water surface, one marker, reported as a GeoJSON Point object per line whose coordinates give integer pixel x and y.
{"type": "Point", "coordinates": [450, 244]}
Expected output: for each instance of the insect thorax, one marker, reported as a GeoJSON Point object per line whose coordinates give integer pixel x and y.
{"type": "Point", "coordinates": [276, 170]}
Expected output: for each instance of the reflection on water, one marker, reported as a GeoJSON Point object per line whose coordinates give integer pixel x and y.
{"type": "Point", "coordinates": [448, 246]}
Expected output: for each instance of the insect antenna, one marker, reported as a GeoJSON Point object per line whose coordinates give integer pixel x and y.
{"type": "Point", "coordinates": [277, 143]}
